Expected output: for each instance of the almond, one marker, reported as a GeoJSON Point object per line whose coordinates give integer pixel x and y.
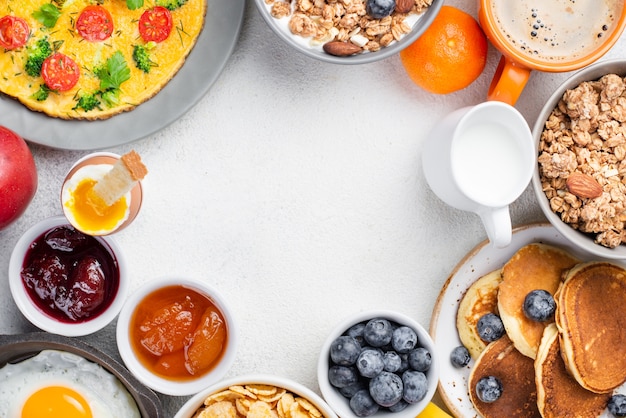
{"type": "Point", "coordinates": [583, 186]}
{"type": "Point", "coordinates": [404, 6]}
{"type": "Point", "coordinates": [341, 49]}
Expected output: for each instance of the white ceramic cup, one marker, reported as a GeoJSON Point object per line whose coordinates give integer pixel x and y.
{"type": "Point", "coordinates": [480, 159]}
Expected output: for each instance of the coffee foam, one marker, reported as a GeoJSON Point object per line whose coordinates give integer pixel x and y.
{"type": "Point", "coordinates": [556, 30]}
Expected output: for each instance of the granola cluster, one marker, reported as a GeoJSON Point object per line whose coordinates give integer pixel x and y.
{"type": "Point", "coordinates": [344, 20]}
{"type": "Point", "coordinates": [586, 133]}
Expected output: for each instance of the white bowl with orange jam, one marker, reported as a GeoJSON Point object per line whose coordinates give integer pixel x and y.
{"type": "Point", "coordinates": [84, 210]}
{"type": "Point", "coordinates": [177, 335]}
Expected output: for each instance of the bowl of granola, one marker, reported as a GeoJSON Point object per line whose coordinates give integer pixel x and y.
{"type": "Point", "coordinates": [580, 181]}
{"type": "Point", "coordinates": [349, 32]}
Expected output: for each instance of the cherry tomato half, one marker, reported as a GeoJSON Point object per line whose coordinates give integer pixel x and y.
{"type": "Point", "coordinates": [94, 23]}
{"type": "Point", "coordinates": [14, 32]}
{"type": "Point", "coordinates": [60, 72]}
{"type": "Point", "coordinates": [155, 24]}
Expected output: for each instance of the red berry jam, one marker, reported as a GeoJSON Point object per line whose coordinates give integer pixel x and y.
{"type": "Point", "coordinates": [71, 276]}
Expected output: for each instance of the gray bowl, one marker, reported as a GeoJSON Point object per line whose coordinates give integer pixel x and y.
{"type": "Point", "coordinates": [363, 58]}
{"type": "Point", "coordinates": [581, 240]}
{"type": "Point", "coordinates": [19, 347]}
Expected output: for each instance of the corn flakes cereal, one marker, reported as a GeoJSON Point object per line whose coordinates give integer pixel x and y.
{"type": "Point", "coordinates": [257, 401]}
{"type": "Point", "coordinates": [260, 409]}
{"type": "Point", "coordinates": [221, 409]}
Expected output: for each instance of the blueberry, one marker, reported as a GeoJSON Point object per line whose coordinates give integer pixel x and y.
{"type": "Point", "coordinates": [345, 350]}
{"type": "Point", "coordinates": [460, 356]}
{"type": "Point", "coordinates": [370, 362]}
{"type": "Point", "coordinates": [379, 9]}
{"type": "Point", "coordinates": [342, 376]}
{"type": "Point", "coordinates": [378, 332]}
{"type": "Point", "coordinates": [362, 404]}
{"type": "Point", "coordinates": [386, 389]}
{"type": "Point", "coordinates": [392, 361]}
{"type": "Point", "coordinates": [415, 386]}
{"type": "Point", "coordinates": [404, 365]}
{"type": "Point", "coordinates": [356, 331]}
{"type": "Point", "coordinates": [404, 339]}
{"type": "Point", "coordinates": [350, 390]}
{"type": "Point", "coordinates": [539, 305]}
{"type": "Point", "coordinates": [490, 327]}
{"type": "Point", "coordinates": [420, 359]}
{"type": "Point", "coordinates": [489, 389]}
{"type": "Point", "coordinates": [400, 406]}
{"type": "Point", "coordinates": [617, 405]}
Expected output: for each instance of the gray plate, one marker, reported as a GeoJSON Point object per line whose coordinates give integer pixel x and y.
{"type": "Point", "coordinates": [203, 66]}
{"type": "Point", "coordinates": [15, 348]}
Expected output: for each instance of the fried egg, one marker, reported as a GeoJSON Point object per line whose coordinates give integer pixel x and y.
{"type": "Point", "coordinates": [166, 56]}
{"type": "Point", "coordinates": [61, 384]}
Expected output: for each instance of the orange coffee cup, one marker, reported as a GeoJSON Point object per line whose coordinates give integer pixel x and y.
{"type": "Point", "coordinates": [546, 35]}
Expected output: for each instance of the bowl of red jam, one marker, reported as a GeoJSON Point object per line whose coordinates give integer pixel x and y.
{"type": "Point", "coordinates": [177, 335]}
{"type": "Point", "coordinates": [66, 282]}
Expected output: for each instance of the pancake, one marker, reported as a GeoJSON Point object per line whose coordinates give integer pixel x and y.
{"type": "Point", "coordinates": [558, 393]}
{"type": "Point", "coordinates": [591, 319]}
{"type": "Point", "coordinates": [72, 37]}
{"type": "Point", "coordinates": [532, 267]}
{"type": "Point", "coordinates": [517, 374]}
{"type": "Point", "coordinates": [479, 299]}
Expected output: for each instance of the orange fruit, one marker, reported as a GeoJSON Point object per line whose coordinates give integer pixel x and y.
{"type": "Point", "coordinates": [449, 55]}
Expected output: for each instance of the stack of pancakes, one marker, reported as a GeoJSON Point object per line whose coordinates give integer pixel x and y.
{"type": "Point", "coordinates": [567, 366]}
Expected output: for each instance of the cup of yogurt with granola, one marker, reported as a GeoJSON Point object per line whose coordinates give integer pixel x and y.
{"type": "Point", "coordinates": [349, 31]}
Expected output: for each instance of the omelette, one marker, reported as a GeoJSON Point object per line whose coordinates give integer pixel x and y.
{"type": "Point", "coordinates": [92, 59]}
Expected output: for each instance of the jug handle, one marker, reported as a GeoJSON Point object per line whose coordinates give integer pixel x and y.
{"type": "Point", "coordinates": [497, 222]}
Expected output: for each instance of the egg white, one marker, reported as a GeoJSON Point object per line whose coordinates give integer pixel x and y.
{"type": "Point", "coordinates": [105, 394]}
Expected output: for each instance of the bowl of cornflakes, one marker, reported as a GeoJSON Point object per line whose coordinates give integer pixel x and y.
{"type": "Point", "coordinates": [355, 32]}
{"type": "Point", "coordinates": [580, 178]}
{"type": "Point", "coordinates": [256, 396]}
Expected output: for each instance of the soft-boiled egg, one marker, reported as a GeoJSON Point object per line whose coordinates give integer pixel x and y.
{"type": "Point", "coordinates": [61, 384]}
{"type": "Point", "coordinates": [87, 214]}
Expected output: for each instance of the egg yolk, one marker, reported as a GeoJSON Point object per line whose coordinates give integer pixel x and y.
{"type": "Point", "coordinates": [91, 212]}
{"type": "Point", "coordinates": [56, 401]}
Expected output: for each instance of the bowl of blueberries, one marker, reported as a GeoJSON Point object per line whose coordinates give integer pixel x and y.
{"type": "Point", "coordinates": [355, 32]}
{"type": "Point", "coordinates": [378, 363]}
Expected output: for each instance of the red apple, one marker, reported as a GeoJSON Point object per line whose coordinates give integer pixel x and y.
{"type": "Point", "coordinates": [18, 176]}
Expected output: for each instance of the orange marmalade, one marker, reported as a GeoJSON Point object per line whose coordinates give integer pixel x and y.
{"type": "Point", "coordinates": [178, 333]}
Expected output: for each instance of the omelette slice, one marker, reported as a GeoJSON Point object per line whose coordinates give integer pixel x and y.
{"type": "Point", "coordinates": [82, 59]}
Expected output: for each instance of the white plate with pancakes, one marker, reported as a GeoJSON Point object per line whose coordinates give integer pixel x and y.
{"type": "Point", "coordinates": [224, 19]}
{"type": "Point", "coordinates": [483, 259]}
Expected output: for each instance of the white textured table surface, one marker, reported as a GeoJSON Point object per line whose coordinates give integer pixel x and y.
{"type": "Point", "coordinates": [294, 187]}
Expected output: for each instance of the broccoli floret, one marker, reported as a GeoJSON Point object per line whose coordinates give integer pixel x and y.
{"type": "Point", "coordinates": [111, 97]}
{"type": "Point", "coordinates": [141, 55]}
{"type": "Point", "coordinates": [35, 56]}
{"type": "Point", "coordinates": [41, 94]}
{"type": "Point", "coordinates": [87, 101]}
{"type": "Point", "coordinates": [171, 4]}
